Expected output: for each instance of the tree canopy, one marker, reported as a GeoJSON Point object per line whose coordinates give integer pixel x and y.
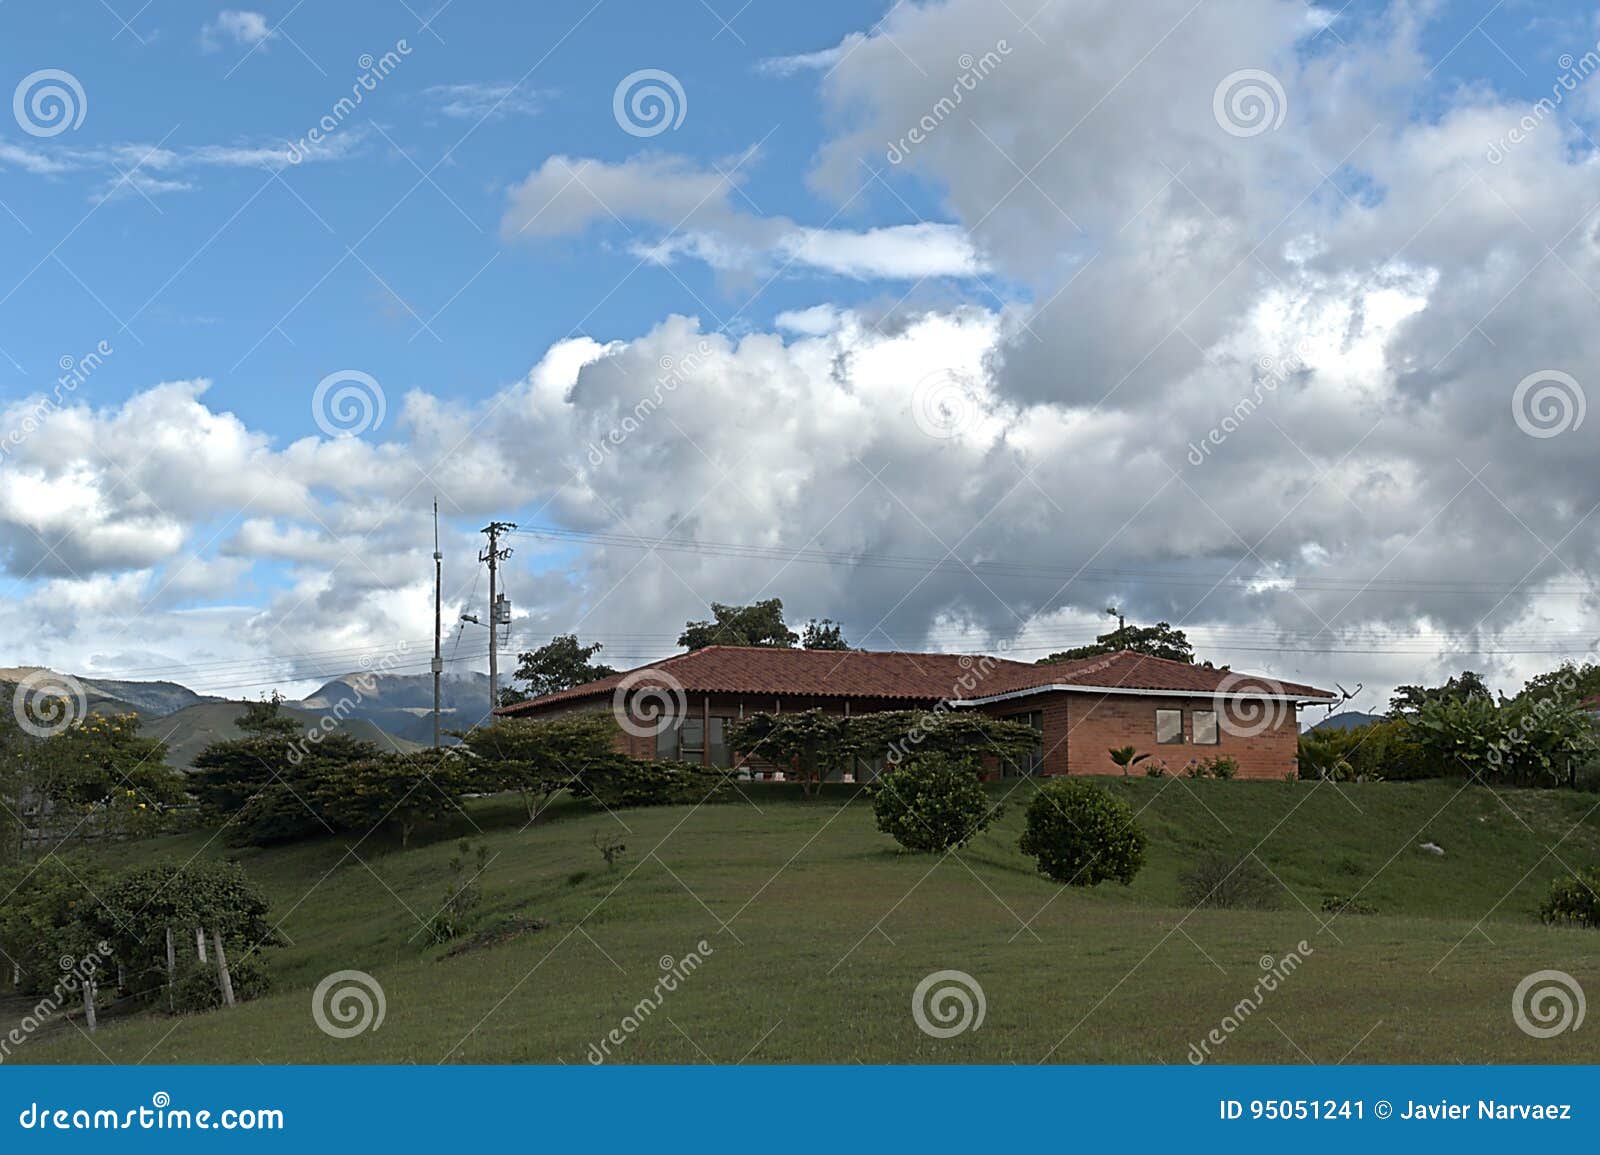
{"type": "Point", "coordinates": [760, 624]}
{"type": "Point", "coordinates": [1157, 641]}
{"type": "Point", "coordinates": [559, 665]}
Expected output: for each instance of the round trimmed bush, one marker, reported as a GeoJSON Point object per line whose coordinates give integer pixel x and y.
{"type": "Point", "coordinates": [931, 804]}
{"type": "Point", "coordinates": [1081, 834]}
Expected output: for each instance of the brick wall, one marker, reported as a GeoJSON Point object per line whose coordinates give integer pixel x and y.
{"type": "Point", "coordinates": [1095, 724]}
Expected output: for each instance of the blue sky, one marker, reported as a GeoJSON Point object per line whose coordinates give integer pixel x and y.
{"type": "Point", "coordinates": [1054, 250]}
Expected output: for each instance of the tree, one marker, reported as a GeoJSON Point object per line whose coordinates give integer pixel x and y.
{"type": "Point", "coordinates": [559, 665]}
{"type": "Point", "coordinates": [934, 803]}
{"type": "Point", "coordinates": [760, 624]}
{"type": "Point", "coordinates": [260, 785]}
{"type": "Point", "coordinates": [1126, 757]}
{"type": "Point", "coordinates": [807, 744]}
{"type": "Point", "coordinates": [1157, 641]}
{"type": "Point", "coordinates": [1566, 681]}
{"type": "Point", "coordinates": [401, 791]}
{"type": "Point", "coordinates": [823, 635]}
{"type": "Point", "coordinates": [105, 770]}
{"type": "Point", "coordinates": [539, 757]}
{"type": "Point", "coordinates": [1469, 687]}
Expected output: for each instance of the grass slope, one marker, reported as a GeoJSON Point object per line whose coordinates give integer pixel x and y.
{"type": "Point", "coordinates": [820, 931]}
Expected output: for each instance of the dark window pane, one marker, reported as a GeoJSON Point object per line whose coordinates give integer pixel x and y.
{"type": "Point", "coordinates": [667, 738]}
{"type": "Point", "coordinates": [720, 755]}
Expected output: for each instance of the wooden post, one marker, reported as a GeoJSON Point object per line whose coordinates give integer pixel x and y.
{"type": "Point", "coordinates": [88, 1004]}
{"type": "Point", "coordinates": [223, 977]}
{"type": "Point", "coordinates": [172, 969]}
{"type": "Point", "coordinates": [200, 942]}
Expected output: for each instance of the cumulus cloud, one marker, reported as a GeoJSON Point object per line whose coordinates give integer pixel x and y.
{"type": "Point", "coordinates": [1256, 383]}
{"type": "Point", "coordinates": [236, 27]}
{"type": "Point", "coordinates": [695, 206]}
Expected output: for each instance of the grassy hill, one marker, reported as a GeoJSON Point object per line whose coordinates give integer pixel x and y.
{"type": "Point", "coordinates": [819, 932]}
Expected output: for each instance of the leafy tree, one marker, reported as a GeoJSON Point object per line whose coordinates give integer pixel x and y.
{"type": "Point", "coordinates": [260, 785]}
{"type": "Point", "coordinates": [1468, 687]}
{"type": "Point", "coordinates": [400, 791]}
{"type": "Point", "coordinates": [103, 769]}
{"type": "Point", "coordinates": [1157, 641]}
{"type": "Point", "coordinates": [807, 744]}
{"type": "Point", "coordinates": [826, 634]}
{"type": "Point", "coordinates": [760, 624]}
{"type": "Point", "coordinates": [50, 914]}
{"type": "Point", "coordinates": [559, 665]}
{"type": "Point", "coordinates": [1127, 757]}
{"type": "Point", "coordinates": [1527, 742]}
{"type": "Point", "coordinates": [1566, 681]}
{"type": "Point", "coordinates": [539, 757]}
{"type": "Point", "coordinates": [905, 735]}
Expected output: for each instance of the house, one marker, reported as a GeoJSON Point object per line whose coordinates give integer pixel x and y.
{"type": "Point", "coordinates": [1175, 712]}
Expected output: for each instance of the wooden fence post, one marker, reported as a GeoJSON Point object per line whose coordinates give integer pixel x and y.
{"type": "Point", "coordinates": [88, 1004]}
{"type": "Point", "coordinates": [200, 942]}
{"type": "Point", "coordinates": [223, 977]}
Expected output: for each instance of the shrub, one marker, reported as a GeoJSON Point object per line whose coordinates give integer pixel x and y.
{"type": "Point", "coordinates": [1573, 900]}
{"type": "Point", "coordinates": [1220, 766]}
{"type": "Point", "coordinates": [933, 803]}
{"type": "Point", "coordinates": [619, 782]}
{"type": "Point", "coordinates": [1082, 835]}
{"type": "Point", "coordinates": [1227, 883]}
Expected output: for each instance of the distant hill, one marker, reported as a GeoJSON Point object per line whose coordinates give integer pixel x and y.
{"type": "Point", "coordinates": [1348, 720]}
{"type": "Point", "coordinates": [402, 704]}
{"type": "Point", "coordinates": [147, 697]}
{"type": "Point", "coordinates": [190, 730]}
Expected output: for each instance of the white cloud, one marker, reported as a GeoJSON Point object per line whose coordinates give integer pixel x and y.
{"type": "Point", "coordinates": [235, 26]}
{"type": "Point", "coordinates": [568, 195]}
{"type": "Point", "coordinates": [480, 101]}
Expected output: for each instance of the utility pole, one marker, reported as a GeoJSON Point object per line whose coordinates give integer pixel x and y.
{"type": "Point", "coordinates": [494, 555]}
{"type": "Point", "coordinates": [438, 651]}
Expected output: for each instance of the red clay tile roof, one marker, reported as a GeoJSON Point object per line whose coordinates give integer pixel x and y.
{"type": "Point", "coordinates": [912, 677]}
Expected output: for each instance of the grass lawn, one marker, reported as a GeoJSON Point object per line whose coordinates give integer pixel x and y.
{"type": "Point", "coordinates": [820, 930]}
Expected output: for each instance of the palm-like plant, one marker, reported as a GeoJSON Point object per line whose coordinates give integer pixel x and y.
{"type": "Point", "coordinates": [1127, 757]}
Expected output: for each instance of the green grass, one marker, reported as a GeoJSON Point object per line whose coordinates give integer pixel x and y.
{"type": "Point", "coordinates": [820, 930]}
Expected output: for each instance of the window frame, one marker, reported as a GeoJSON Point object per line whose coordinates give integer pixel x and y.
{"type": "Point", "coordinates": [1216, 728]}
{"type": "Point", "coordinates": [1175, 741]}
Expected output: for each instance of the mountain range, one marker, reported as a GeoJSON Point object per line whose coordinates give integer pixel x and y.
{"type": "Point", "coordinates": [393, 711]}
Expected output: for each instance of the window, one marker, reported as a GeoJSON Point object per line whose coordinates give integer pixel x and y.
{"type": "Point", "coordinates": [683, 739]}
{"type": "Point", "coordinates": [718, 744]}
{"type": "Point", "coordinates": [1205, 727]}
{"type": "Point", "coordinates": [1169, 727]}
{"type": "Point", "coordinates": [1034, 762]}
